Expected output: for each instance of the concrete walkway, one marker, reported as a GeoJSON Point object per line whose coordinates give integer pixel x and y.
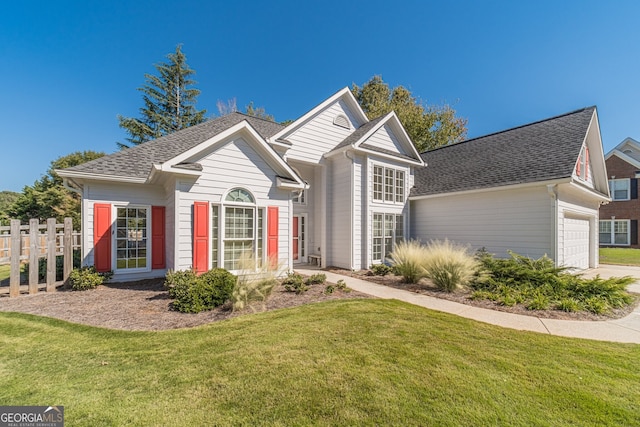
{"type": "Point", "coordinates": [625, 330]}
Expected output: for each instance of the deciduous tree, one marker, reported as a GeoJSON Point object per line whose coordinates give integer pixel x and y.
{"type": "Point", "coordinates": [47, 197]}
{"type": "Point", "coordinates": [428, 126]}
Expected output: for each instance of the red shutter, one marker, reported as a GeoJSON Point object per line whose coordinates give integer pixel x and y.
{"type": "Point", "coordinates": [579, 165]}
{"type": "Point", "coordinates": [201, 236]}
{"type": "Point", "coordinates": [102, 237]}
{"type": "Point", "coordinates": [272, 233]}
{"type": "Point", "coordinates": [586, 163]}
{"type": "Point", "coordinates": [157, 237]}
{"type": "Point", "coordinates": [296, 238]}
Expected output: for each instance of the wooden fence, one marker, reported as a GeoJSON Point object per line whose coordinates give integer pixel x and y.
{"type": "Point", "coordinates": [21, 244]}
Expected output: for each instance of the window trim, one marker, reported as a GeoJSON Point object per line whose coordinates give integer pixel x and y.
{"type": "Point", "coordinates": [114, 238]}
{"type": "Point", "coordinates": [396, 219]}
{"type": "Point", "coordinates": [612, 232]}
{"type": "Point", "coordinates": [218, 231]}
{"type": "Point", "coordinates": [380, 188]}
{"type": "Point", "coordinates": [612, 189]}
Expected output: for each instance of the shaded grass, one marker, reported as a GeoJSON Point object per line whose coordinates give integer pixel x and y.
{"type": "Point", "coordinates": [622, 256]}
{"type": "Point", "coordinates": [364, 362]}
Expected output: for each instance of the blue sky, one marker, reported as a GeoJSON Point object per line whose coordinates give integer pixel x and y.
{"type": "Point", "coordinates": [68, 68]}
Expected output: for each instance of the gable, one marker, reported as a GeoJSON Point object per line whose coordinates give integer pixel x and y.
{"type": "Point", "coordinates": [322, 132]}
{"type": "Point", "coordinates": [385, 139]}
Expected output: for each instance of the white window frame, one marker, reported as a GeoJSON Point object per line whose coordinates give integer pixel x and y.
{"type": "Point", "coordinates": [114, 239]}
{"type": "Point", "coordinates": [612, 232]}
{"type": "Point", "coordinates": [392, 231]}
{"type": "Point", "coordinates": [388, 184]}
{"type": "Point", "coordinates": [219, 237]}
{"type": "Point", "coordinates": [612, 188]}
{"type": "Point", "coordinates": [300, 197]}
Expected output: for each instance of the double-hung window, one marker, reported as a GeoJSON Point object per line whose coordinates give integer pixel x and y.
{"type": "Point", "coordinates": [620, 189]}
{"type": "Point", "coordinates": [387, 230]}
{"type": "Point", "coordinates": [388, 184]}
{"type": "Point", "coordinates": [615, 232]}
{"type": "Point", "coordinates": [237, 231]}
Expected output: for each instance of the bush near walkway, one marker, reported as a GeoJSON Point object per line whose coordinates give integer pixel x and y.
{"type": "Point", "coordinates": [539, 284]}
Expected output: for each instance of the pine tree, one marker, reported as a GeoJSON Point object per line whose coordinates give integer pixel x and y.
{"type": "Point", "coordinates": [169, 102]}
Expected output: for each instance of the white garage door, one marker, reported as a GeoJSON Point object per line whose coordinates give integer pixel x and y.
{"type": "Point", "coordinates": [576, 242]}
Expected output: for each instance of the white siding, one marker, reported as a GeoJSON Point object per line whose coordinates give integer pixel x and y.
{"type": "Point", "coordinates": [319, 135]}
{"type": "Point", "coordinates": [235, 164]}
{"type": "Point", "coordinates": [359, 187]}
{"type": "Point", "coordinates": [118, 194]}
{"type": "Point", "coordinates": [501, 220]}
{"type": "Point", "coordinates": [385, 138]}
{"type": "Point", "coordinates": [170, 227]}
{"type": "Point", "coordinates": [339, 209]}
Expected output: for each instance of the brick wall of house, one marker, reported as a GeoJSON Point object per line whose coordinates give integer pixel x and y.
{"type": "Point", "coordinates": [628, 209]}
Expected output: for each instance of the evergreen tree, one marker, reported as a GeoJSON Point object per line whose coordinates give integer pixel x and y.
{"type": "Point", "coordinates": [169, 102]}
{"type": "Point", "coordinates": [428, 126]}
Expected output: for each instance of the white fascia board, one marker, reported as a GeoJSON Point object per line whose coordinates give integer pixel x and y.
{"type": "Point", "coordinates": [284, 184]}
{"type": "Point", "coordinates": [624, 157]}
{"type": "Point", "coordinates": [167, 166]}
{"type": "Point", "coordinates": [589, 192]}
{"type": "Point", "coordinates": [99, 177]}
{"type": "Point", "coordinates": [627, 140]}
{"type": "Point", "coordinates": [407, 139]}
{"type": "Point", "coordinates": [389, 156]}
{"type": "Point", "coordinates": [242, 128]}
{"type": "Point", "coordinates": [497, 188]}
{"type": "Point", "coordinates": [344, 93]}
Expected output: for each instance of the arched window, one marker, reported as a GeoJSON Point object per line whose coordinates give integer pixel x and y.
{"type": "Point", "coordinates": [238, 227]}
{"type": "Point", "coordinates": [239, 195]}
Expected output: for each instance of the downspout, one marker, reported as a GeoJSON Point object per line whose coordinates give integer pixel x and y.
{"type": "Point", "coordinates": [552, 189]}
{"type": "Point", "coordinates": [352, 237]}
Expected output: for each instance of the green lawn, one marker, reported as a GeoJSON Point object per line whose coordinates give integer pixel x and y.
{"type": "Point", "coordinates": [349, 362]}
{"type": "Point", "coordinates": [623, 256]}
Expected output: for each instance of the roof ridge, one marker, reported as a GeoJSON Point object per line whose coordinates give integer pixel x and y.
{"type": "Point", "coordinates": [580, 110]}
{"type": "Point", "coordinates": [256, 117]}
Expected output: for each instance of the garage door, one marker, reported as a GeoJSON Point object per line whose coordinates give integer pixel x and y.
{"type": "Point", "coordinates": [576, 242]}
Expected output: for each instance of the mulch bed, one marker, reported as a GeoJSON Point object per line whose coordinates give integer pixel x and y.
{"type": "Point", "coordinates": [145, 305]}
{"type": "Point", "coordinates": [426, 287]}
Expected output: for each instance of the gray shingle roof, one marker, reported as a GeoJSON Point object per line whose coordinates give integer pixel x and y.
{"type": "Point", "coordinates": [539, 151]}
{"type": "Point", "coordinates": [136, 162]}
{"type": "Point", "coordinates": [358, 133]}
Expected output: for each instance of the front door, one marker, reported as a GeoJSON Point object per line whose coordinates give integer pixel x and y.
{"type": "Point", "coordinates": [298, 244]}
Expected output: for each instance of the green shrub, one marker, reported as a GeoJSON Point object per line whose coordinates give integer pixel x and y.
{"type": "Point", "coordinates": [543, 285]}
{"type": "Point", "coordinates": [569, 305]}
{"type": "Point", "coordinates": [316, 279]}
{"type": "Point", "coordinates": [407, 258]}
{"type": "Point", "coordinates": [193, 294]}
{"type": "Point", "coordinates": [84, 278]}
{"type": "Point", "coordinates": [538, 302]}
{"type": "Point", "coordinates": [596, 305]}
{"type": "Point", "coordinates": [448, 265]}
{"type": "Point", "coordinates": [380, 269]}
{"type": "Point", "coordinates": [294, 282]}
{"type": "Point", "coordinates": [341, 286]}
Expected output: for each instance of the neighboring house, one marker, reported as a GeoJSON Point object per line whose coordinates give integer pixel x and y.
{"type": "Point", "coordinates": [336, 188]}
{"type": "Point", "coordinates": [533, 189]}
{"type": "Point", "coordinates": [619, 219]}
